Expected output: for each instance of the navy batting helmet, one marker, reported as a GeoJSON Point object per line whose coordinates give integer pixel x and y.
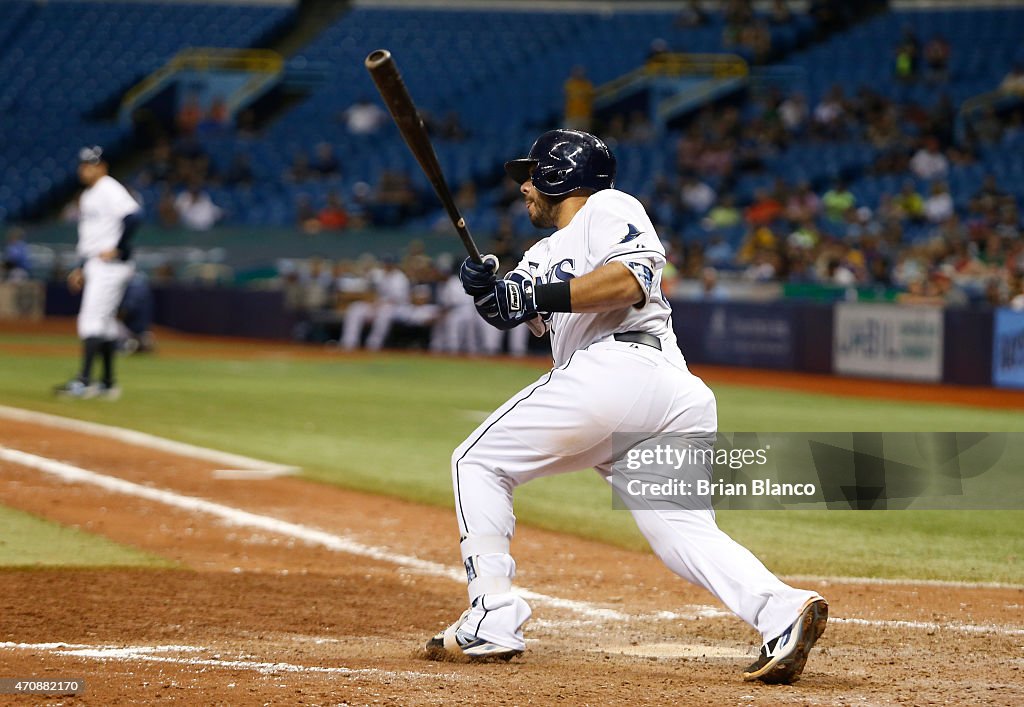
{"type": "Point", "coordinates": [566, 160]}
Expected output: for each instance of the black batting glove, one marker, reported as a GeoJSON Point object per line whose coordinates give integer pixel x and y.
{"type": "Point", "coordinates": [515, 300]}
{"type": "Point", "coordinates": [478, 278]}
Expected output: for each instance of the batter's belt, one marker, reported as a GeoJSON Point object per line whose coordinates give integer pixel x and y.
{"type": "Point", "coordinates": [639, 337]}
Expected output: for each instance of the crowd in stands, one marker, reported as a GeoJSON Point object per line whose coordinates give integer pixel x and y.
{"type": "Point", "coordinates": [723, 203]}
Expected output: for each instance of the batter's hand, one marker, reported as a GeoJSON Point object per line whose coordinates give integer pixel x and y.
{"type": "Point", "coordinates": [76, 280]}
{"type": "Point", "coordinates": [514, 300]}
{"type": "Point", "coordinates": [478, 278]}
{"type": "Point", "coordinates": [110, 255]}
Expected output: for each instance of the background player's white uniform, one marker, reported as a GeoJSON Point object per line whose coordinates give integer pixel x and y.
{"type": "Point", "coordinates": [102, 209]}
{"type": "Point", "coordinates": [564, 421]}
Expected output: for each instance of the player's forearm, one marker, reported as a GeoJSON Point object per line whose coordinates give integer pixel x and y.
{"type": "Point", "coordinates": [608, 288]}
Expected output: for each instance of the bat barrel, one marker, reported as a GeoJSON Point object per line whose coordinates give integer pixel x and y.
{"type": "Point", "coordinates": [376, 58]}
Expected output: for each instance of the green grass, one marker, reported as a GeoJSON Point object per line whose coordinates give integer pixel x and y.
{"type": "Point", "coordinates": [388, 425]}
{"type": "Point", "coordinates": [28, 541]}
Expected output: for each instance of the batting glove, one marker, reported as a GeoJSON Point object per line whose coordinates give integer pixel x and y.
{"type": "Point", "coordinates": [478, 278]}
{"type": "Point", "coordinates": [515, 300]}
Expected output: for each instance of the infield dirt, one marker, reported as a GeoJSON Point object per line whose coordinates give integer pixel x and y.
{"type": "Point", "coordinates": [258, 618]}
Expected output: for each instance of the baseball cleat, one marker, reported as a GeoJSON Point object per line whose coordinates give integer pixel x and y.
{"type": "Point", "coordinates": [75, 389]}
{"type": "Point", "coordinates": [782, 659]}
{"type": "Point", "coordinates": [455, 644]}
{"type": "Point", "coordinates": [108, 392]}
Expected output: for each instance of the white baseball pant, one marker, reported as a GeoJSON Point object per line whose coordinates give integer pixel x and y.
{"type": "Point", "coordinates": [383, 315]}
{"type": "Point", "coordinates": [105, 283]}
{"type": "Point", "coordinates": [564, 422]}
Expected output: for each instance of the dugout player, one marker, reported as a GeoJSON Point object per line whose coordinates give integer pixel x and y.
{"type": "Point", "coordinates": [618, 372]}
{"type": "Point", "coordinates": [108, 218]}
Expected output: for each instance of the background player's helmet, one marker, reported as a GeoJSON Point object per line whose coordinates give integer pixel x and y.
{"type": "Point", "coordinates": [566, 160]}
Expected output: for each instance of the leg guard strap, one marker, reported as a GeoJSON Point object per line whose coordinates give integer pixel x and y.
{"type": "Point", "coordinates": [489, 585]}
{"type": "Point", "coordinates": [473, 545]}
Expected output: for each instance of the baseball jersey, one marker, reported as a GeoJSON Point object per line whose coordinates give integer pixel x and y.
{"type": "Point", "coordinates": [611, 226]}
{"type": "Point", "coordinates": [392, 287]}
{"type": "Point", "coordinates": [102, 208]}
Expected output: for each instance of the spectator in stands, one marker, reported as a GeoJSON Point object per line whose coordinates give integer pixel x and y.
{"type": "Point", "coordinates": [639, 130]}
{"type": "Point", "coordinates": [724, 214]}
{"type": "Point", "coordinates": [928, 162]}
{"type": "Point", "coordinates": [160, 168]}
{"type": "Point", "coordinates": [15, 263]}
{"type": "Point", "coordinates": [936, 60]}
{"type": "Point", "coordinates": [1013, 82]}
{"type": "Point", "coordinates": [657, 54]}
{"type": "Point", "coordinates": [325, 163]}
{"type": "Point", "coordinates": [693, 15]}
{"type": "Point", "coordinates": [939, 205]}
{"type": "Point", "coordinates": [719, 253]}
{"type": "Point", "coordinates": [579, 99]}
{"type": "Point", "coordinates": [305, 215]}
{"type": "Point", "coordinates": [989, 189]}
{"type": "Point", "coordinates": [710, 287]}
{"type": "Point", "coordinates": [718, 158]}
{"type": "Point", "coordinates": [299, 171]}
{"type": "Point", "coordinates": [696, 196]}
{"type": "Point", "coordinates": [793, 112]}
{"type": "Point", "coordinates": [166, 213]}
{"type": "Point", "coordinates": [214, 120]}
{"type": "Point", "coordinates": [333, 216]}
{"type": "Point", "coordinates": [364, 117]}
{"type": "Point", "coordinates": [756, 40]}
{"type": "Point", "coordinates": [394, 199]}
{"type": "Point", "coordinates": [988, 128]}
{"type": "Point", "coordinates": [830, 115]}
{"type": "Point", "coordinates": [803, 204]}
{"type": "Point", "coordinates": [837, 201]}
{"type": "Point", "coordinates": [780, 13]}
{"type": "Point", "coordinates": [764, 210]}
{"type": "Point", "coordinates": [738, 15]}
{"type": "Point", "coordinates": [908, 55]}
{"type": "Point", "coordinates": [688, 150]}
{"type": "Point", "coordinates": [908, 203]}
{"type": "Point", "coordinates": [190, 113]}
{"type": "Point", "coordinates": [196, 210]}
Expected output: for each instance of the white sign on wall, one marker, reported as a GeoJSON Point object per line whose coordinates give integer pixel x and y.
{"type": "Point", "coordinates": [888, 341]}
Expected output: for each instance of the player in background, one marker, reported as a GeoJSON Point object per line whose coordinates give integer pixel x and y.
{"type": "Point", "coordinates": [618, 374]}
{"type": "Point", "coordinates": [108, 218]}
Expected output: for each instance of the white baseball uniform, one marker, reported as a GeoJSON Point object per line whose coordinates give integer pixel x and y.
{"type": "Point", "coordinates": [102, 209]}
{"type": "Point", "coordinates": [393, 291]}
{"type": "Point", "coordinates": [600, 387]}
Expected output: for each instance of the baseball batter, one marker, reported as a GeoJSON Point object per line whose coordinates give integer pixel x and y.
{"type": "Point", "coordinates": [618, 371]}
{"type": "Point", "coordinates": [108, 218]}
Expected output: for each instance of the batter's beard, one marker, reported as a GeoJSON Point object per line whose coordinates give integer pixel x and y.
{"type": "Point", "coordinates": [542, 215]}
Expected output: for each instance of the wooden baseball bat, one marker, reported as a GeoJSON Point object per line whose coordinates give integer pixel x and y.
{"type": "Point", "coordinates": [385, 74]}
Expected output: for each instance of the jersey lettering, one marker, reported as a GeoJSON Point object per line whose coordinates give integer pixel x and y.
{"type": "Point", "coordinates": [560, 273]}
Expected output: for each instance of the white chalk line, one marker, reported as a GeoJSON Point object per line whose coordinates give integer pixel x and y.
{"type": "Point", "coordinates": [240, 466]}
{"type": "Point", "coordinates": [250, 468]}
{"type": "Point", "coordinates": [931, 626]}
{"type": "Point", "coordinates": [150, 654]}
{"type": "Point", "coordinates": [238, 518]}
{"type": "Point", "coordinates": [900, 581]}
{"type": "Point", "coordinates": [342, 544]}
